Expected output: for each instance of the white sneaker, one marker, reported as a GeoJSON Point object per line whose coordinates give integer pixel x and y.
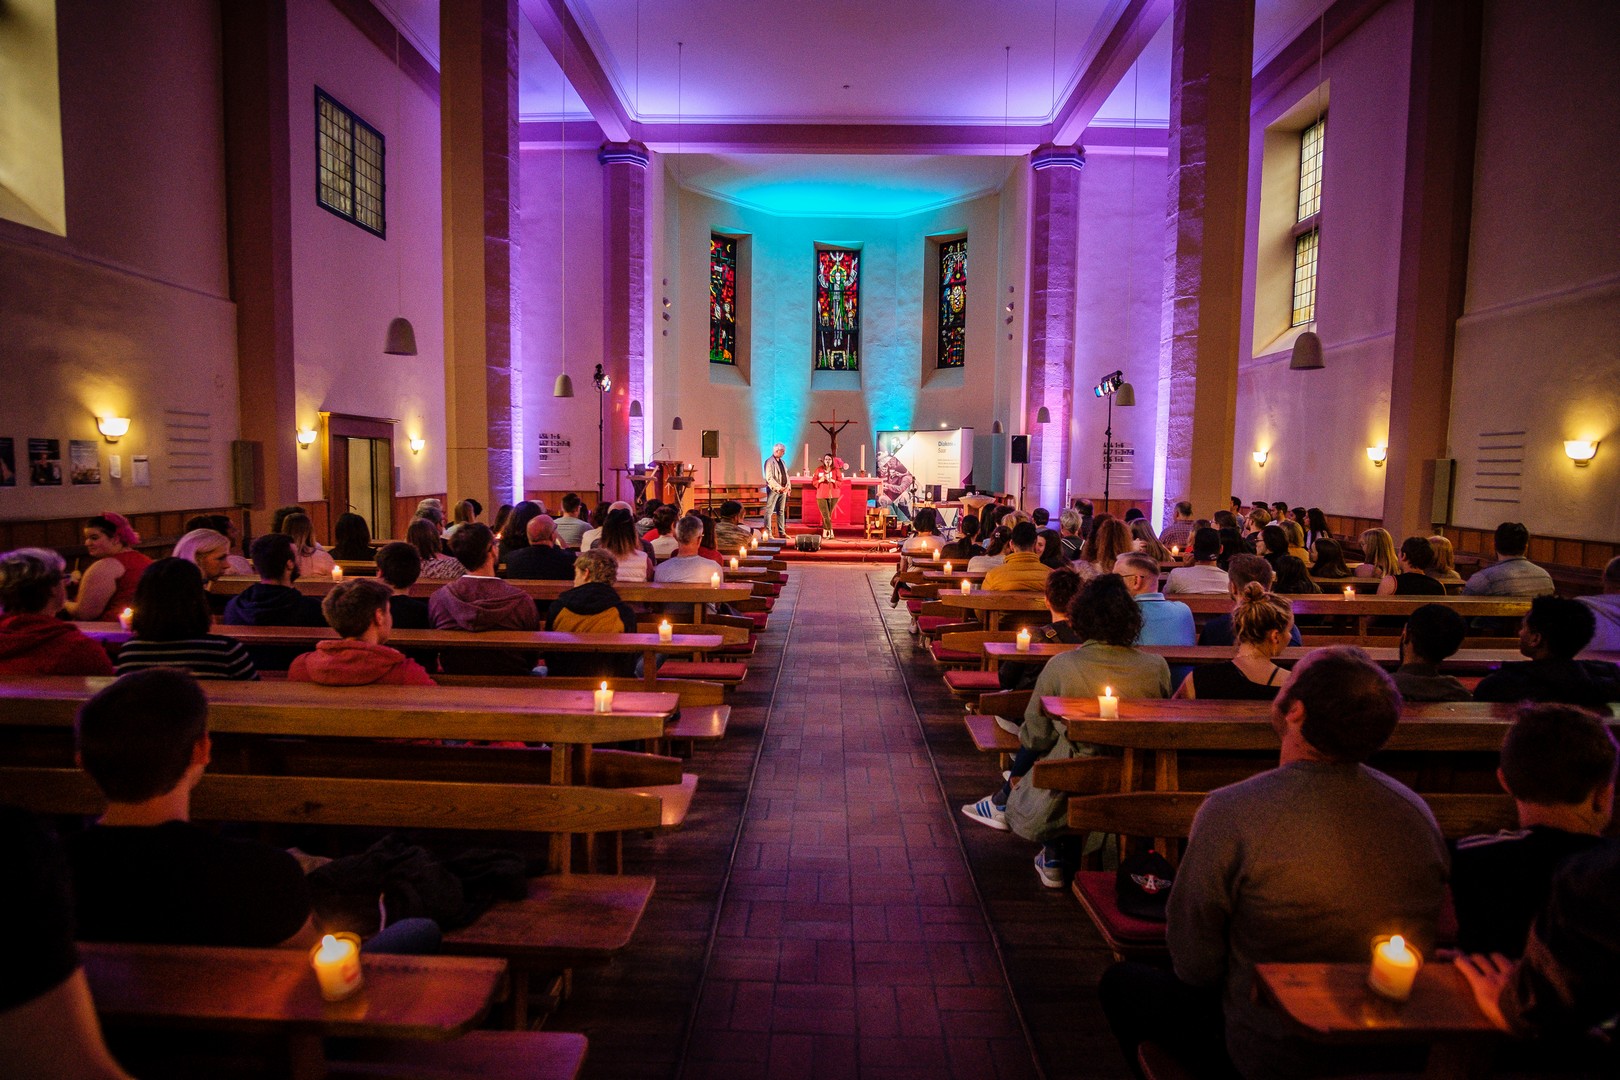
{"type": "Point", "coordinates": [986, 812]}
{"type": "Point", "coordinates": [1051, 873]}
{"type": "Point", "coordinates": [1009, 726]}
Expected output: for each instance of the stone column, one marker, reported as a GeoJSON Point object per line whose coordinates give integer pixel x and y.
{"type": "Point", "coordinates": [1441, 121]}
{"type": "Point", "coordinates": [259, 199]}
{"type": "Point", "coordinates": [625, 265]}
{"type": "Point", "coordinates": [479, 116]}
{"type": "Point", "coordinates": [1054, 258]}
{"type": "Point", "coordinates": [1211, 61]}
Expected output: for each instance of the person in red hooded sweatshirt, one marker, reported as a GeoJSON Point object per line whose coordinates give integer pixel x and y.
{"type": "Point", "coordinates": [358, 610]}
{"type": "Point", "coordinates": [33, 641]}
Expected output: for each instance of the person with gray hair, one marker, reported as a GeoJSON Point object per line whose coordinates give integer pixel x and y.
{"type": "Point", "coordinates": [33, 641]}
{"type": "Point", "coordinates": [686, 564]}
{"type": "Point", "coordinates": [1069, 535]}
{"type": "Point", "coordinates": [208, 549]}
{"type": "Point", "coordinates": [776, 492]}
{"type": "Point", "coordinates": [544, 559]}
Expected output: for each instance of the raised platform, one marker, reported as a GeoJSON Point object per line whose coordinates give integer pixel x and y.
{"type": "Point", "coordinates": [849, 544]}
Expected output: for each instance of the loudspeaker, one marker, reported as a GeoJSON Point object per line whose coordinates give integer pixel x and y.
{"type": "Point", "coordinates": [711, 444]}
{"type": "Point", "coordinates": [1441, 476]}
{"type": "Point", "coordinates": [807, 542]}
{"type": "Point", "coordinates": [244, 472]}
{"type": "Point", "coordinates": [1020, 449]}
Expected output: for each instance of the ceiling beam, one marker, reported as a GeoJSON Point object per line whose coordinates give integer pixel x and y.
{"type": "Point", "coordinates": [562, 37]}
{"type": "Point", "coordinates": [1135, 27]}
{"type": "Point", "coordinates": [960, 139]}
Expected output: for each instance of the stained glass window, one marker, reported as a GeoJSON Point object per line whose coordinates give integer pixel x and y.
{"type": "Point", "coordinates": [348, 164]}
{"type": "Point", "coordinates": [838, 310]}
{"type": "Point", "coordinates": [722, 299]}
{"type": "Point", "coordinates": [1308, 231]}
{"type": "Point", "coordinates": [953, 303]}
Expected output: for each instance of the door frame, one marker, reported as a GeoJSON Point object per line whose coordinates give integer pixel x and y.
{"type": "Point", "coordinates": [336, 431]}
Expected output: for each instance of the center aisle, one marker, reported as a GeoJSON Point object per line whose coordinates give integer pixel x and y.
{"type": "Point", "coordinates": [851, 941]}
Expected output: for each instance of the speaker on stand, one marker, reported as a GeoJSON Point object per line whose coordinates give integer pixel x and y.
{"type": "Point", "coordinates": [1020, 457]}
{"type": "Point", "coordinates": [711, 450]}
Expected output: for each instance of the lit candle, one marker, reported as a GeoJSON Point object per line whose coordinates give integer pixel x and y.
{"type": "Point", "coordinates": [754, 543]}
{"type": "Point", "coordinates": [947, 567]}
{"type": "Point", "coordinates": [863, 458]}
{"type": "Point", "coordinates": [714, 579]}
{"type": "Point", "coordinates": [1023, 640]}
{"type": "Point", "coordinates": [604, 699]}
{"type": "Point", "coordinates": [1175, 551]}
{"type": "Point", "coordinates": [665, 631]}
{"type": "Point", "coordinates": [742, 551]}
{"type": "Point", "coordinates": [1108, 704]}
{"type": "Point", "coordinates": [1394, 967]}
{"type": "Point", "coordinates": [1349, 593]}
{"type": "Point", "coordinates": [807, 459]}
{"type": "Point", "coordinates": [337, 573]}
{"type": "Point", "coordinates": [936, 554]}
{"type": "Point", "coordinates": [126, 618]}
{"type": "Point", "coordinates": [336, 961]}
{"type": "Point", "coordinates": [734, 562]}
{"type": "Point", "coordinates": [967, 586]}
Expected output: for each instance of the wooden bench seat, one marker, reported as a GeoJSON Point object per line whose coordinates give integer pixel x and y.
{"type": "Point", "coordinates": [479, 1055]}
{"type": "Point", "coordinates": [965, 683]}
{"type": "Point", "coordinates": [988, 736]}
{"type": "Point", "coordinates": [675, 798]}
{"type": "Point", "coordinates": [731, 672]}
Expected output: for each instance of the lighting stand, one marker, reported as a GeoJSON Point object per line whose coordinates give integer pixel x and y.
{"type": "Point", "coordinates": [603, 383]}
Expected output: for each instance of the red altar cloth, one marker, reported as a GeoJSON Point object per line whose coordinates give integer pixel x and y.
{"type": "Point", "coordinates": [852, 498]}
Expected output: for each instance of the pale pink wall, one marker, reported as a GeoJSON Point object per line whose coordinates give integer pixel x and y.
{"type": "Point", "coordinates": [1317, 424]}
{"type": "Point", "coordinates": [349, 283]}
{"type": "Point", "coordinates": [128, 313]}
{"type": "Point", "coordinates": [1537, 349]}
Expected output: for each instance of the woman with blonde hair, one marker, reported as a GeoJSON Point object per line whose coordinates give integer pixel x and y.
{"type": "Point", "coordinates": [1377, 555]}
{"type": "Point", "coordinates": [1296, 540]}
{"type": "Point", "coordinates": [313, 560]}
{"type": "Point", "coordinates": [1143, 540]}
{"type": "Point", "coordinates": [1445, 560]}
{"type": "Point", "coordinates": [1261, 624]}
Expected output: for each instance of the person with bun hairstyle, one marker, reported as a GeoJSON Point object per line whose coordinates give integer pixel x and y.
{"type": "Point", "coordinates": [108, 587]}
{"type": "Point", "coordinates": [1261, 623]}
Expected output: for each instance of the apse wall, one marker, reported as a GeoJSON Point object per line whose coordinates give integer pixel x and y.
{"type": "Point", "coordinates": [772, 395]}
{"type": "Point", "coordinates": [115, 319]}
{"type": "Point", "coordinates": [1538, 356]}
{"type": "Point", "coordinates": [348, 283]}
{"type": "Point", "coordinates": [1316, 425]}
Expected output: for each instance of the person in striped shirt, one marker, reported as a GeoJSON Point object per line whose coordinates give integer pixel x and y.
{"type": "Point", "coordinates": [171, 624]}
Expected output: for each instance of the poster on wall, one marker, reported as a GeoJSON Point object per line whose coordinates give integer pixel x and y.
{"type": "Point", "coordinates": [84, 460]}
{"type": "Point", "coordinates": [141, 470]}
{"type": "Point", "coordinates": [917, 466]}
{"type": "Point", "coordinates": [1124, 463]}
{"type": "Point", "coordinates": [556, 455]}
{"type": "Point", "coordinates": [45, 462]}
{"type": "Point", "coordinates": [8, 464]}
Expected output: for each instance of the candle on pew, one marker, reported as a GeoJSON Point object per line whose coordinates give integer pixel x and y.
{"type": "Point", "coordinates": [1023, 640]}
{"type": "Point", "coordinates": [1394, 968]}
{"type": "Point", "coordinates": [714, 579]}
{"type": "Point", "coordinates": [754, 543]}
{"type": "Point", "coordinates": [126, 618]}
{"type": "Point", "coordinates": [337, 573]}
{"type": "Point", "coordinates": [603, 698]}
{"type": "Point", "coordinates": [936, 554]}
{"type": "Point", "coordinates": [336, 961]}
{"type": "Point", "coordinates": [1175, 551]}
{"type": "Point", "coordinates": [1108, 704]}
{"type": "Point", "coordinates": [947, 567]}
{"type": "Point", "coordinates": [734, 562]}
{"type": "Point", "coordinates": [967, 586]}
{"type": "Point", "coordinates": [1349, 593]}
{"type": "Point", "coordinates": [665, 631]}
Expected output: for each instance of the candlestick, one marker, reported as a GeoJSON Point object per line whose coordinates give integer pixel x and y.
{"type": "Point", "coordinates": [665, 631]}
{"type": "Point", "coordinates": [337, 573]}
{"type": "Point", "coordinates": [967, 586]}
{"type": "Point", "coordinates": [603, 699]}
{"type": "Point", "coordinates": [1023, 640]}
{"type": "Point", "coordinates": [1108, 704]}
{"type": "Point", "coordinates": [126, 618]}
{"type": "Point", "coordinates": [863, 459]}
{"type": "Point", "coordinates": [336, 961]}
{"type": "Point", "coordinates": [714, 579]}
{"type": "Point", "coordinates": [807, 459]}
{"type": "Point", "coordinates": [1394, 967]}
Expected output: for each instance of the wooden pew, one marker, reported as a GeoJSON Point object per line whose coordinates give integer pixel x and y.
{"type": "Point", "coordinates": [1467, 661]}
{"type": "Point", "coordinates": [703, 714]}
{"type": "Point", "coordinates": [421, 1008]}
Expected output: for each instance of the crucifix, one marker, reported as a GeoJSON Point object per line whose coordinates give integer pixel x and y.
{"type": "Point", "coordinates": [832, 428]}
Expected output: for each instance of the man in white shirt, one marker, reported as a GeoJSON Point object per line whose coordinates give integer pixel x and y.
{"type": "Point", "coordinates": [686, 564]}
{"type": "Point", "coordinates": [776, 492]}
{"type": "Point", "coordinates": [1203, 576]}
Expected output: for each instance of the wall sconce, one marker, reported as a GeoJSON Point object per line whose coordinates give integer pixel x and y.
{"type": "Point", "coordinates": [1260, 457]}
{"type": "Point", "coordinates": [1376, 455]}
{"type": "Point", "coordinates": [112, 428]}
{"type": "Point", "coordinates": [306, 438]}
{"type": "Point", "coordinates": [416, 442]}
{"type": "Point", "coordinates": [1580, 451]}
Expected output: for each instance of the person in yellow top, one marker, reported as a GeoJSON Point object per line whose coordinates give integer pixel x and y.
{"type": "Point", "coordinates": [1023, 570]}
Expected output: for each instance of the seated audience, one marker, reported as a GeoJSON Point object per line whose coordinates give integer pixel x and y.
{"type": "Point", "coordinates": [1294, 577]}
{"type": "Point", "coordinates": [108, 587]}
{"type": "Point", "coordinates": [1296, 540]}
{"type": "Point", "coordinates": [1232, 544]}
{"type": "Point", "coordinates": [1377, 555]}
{"type": "Point", "coordinates": [687, 564]}
{"type": "Point", "coordinates": [1512, 574]}
{"type": "Point", "coordinates": [237, 564]}
{"type": "Point", "coordinates": [964, 547]}
{"type": "Point", "coordinates": [466, 512]}
{"type": "Point", "coordinates": [620, 541]}
{"type": "Point", "coordinates": [1414, 560]}
{"type": "Point", "coordinates": [1260, 622]}
{"type": "Point", "coordinates": [599, 516]}
{"type": "Point", "coordinates": [313, 559]}
{"type": "Point", "coordinates": [1432, 635]}
{"type": "Point", "coordinates": [661, 535]}
{"type": "Point", "coordinates": [592, 606]}
{"type": "Point", "coordinates": [1088, 516]}
{"type": "Point", "coordinates": [273, 601]}
{"type": "Point", "coordinates": [571, 526]}
{"type": "Point", "coordinates": [358, 610]}
{"type": "Point", "coordinates": [544, 559]}
{"type": "Point", "coordinates": [1553, 631]}
{"type": "Point", "coordinates": [1445, 561]}
{"type": "Point", "coordinates": [211, 552]}
{"type": "Point", "coordinates": [1606, 610]}
{"type": "Point", "coordinates": [480, 601]}
{"type": "Point", "coordinates": [516, 534]}
{"type": "Point", "coordinates": [351, 538]}
{"type": "Point", "coordinates": [1256, 522]}
{"type": "Point", "coordinates": [431, 509]}
{"type": "Point", "coordinates": [1244, 569]}
{"type": "Point", "coordinates": [1179, 531]}
{"type": "Point", "coordinates": [729, 531]}
{"type": "Point", "coordinates": [995, 551]}
{"type": "Point", "coordinates": [424, 536]}
{"type": "Point", "coordinates": [645, 523]}
{"type": "Point", "coordinates": [33, 641]}
{"type": "Point", "coordinates": [924, 539]}
{"type": "Point", "coordinates": [708, 548]}
{"type": "Point", "coordinates": [1251, 889]}
{"type": "Point", "coordinates": [1069, 526]}
{"type": "Point", "coordinates": [1143, 540]}
{"type": "Point", "coordinates": [48, 1024]}
{"type": "Point", "coordinates": [1049, 548]}
{"type": "Point", "coordinates": [1133, 515]}
{"type": "Point", "coordinates": [1164, 622]}
{"type": "Point", "coordinates": [503, 514]}
{"type": "Point", "coordinates": [1203, 576]}
{"type": "Point", "coordinates": [1021, 570]}
{"type": "Point", "coordinates": [1109, 540]}
{"type": "Point", "coordinates": [171, 624]}
{"type": "Point", "coordinates": [1329, 559]}
{"type": "Point", "coordinates": [1061, 585]}
{"type": "Point", "coordinates": [1107, 620]}
{"type": "Point", "coordinates": [1316, 527]}
{"type": "Point", "coordinates": [1273, 544]}
{"type": "Point", "coordinates": [399, 567]}
{"type": "Point", "coordinates": [1558, 764]}
{"type": "Point", "coordinates": [1040, 516]}
{"type": "Point", "coordinates": [279, 516]}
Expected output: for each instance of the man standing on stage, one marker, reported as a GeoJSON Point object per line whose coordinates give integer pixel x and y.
{"type": "Point", "coordinates": [894, 493]}
{"type": "Point", "coordinates": [776, 493]}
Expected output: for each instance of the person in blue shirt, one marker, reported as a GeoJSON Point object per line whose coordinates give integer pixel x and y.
{"type": "Point", "coordinates": [1164, 622]}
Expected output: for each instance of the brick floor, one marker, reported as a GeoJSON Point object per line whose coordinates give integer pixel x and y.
{"type": "Point", "coordinates": [851, 941]}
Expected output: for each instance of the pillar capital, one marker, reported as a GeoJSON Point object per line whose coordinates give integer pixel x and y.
{"type": "Point", "coordinates": [624, 153]}
{"type": "Point", "coordinates": [1048, 156]}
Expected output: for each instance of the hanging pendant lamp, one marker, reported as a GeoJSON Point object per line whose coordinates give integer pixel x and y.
{"type": "Point", "coordinates": [564, 386]}
{"type": "Point", "coordinates": [401, 337]}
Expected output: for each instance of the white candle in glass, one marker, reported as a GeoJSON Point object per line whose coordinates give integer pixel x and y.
{"type": "Point", "coordinates": [1349, 593]}
{"type": "Point", "coordinates": [1108, 704]}
{"type": "Point", "coordinates": [337, 573]}
{"type": "Point", "coordinates": [734, 562]}
{"type": "Point", "coordinates": [1023, 640]}
{"type": "Point", "coordinates": [714, 578]}
{"type": "Point", "coordinates": [603, 699]}
{"type": "Point", "coordinates": [1394, 968]}
{"type": "Point", "coordinates": [947, 567]}
{"type": "Point", "coordinates": [967, 586]}
{"type": "Point", "coordinates": [336, 961]}
{"type": "Point", "coordinates": [665, 631]}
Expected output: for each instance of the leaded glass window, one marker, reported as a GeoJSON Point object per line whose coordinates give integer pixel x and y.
{"type": "Point", "coordinates": [722, 299]}
{"type": "Point", "coordinates": [1308, 231]}
{"type": "Point", "coordinates": [348, 165]}
{"type": "Point", "coordinates": [953, 303]}
{"type": "Point", "coordinates": [838, 310]}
